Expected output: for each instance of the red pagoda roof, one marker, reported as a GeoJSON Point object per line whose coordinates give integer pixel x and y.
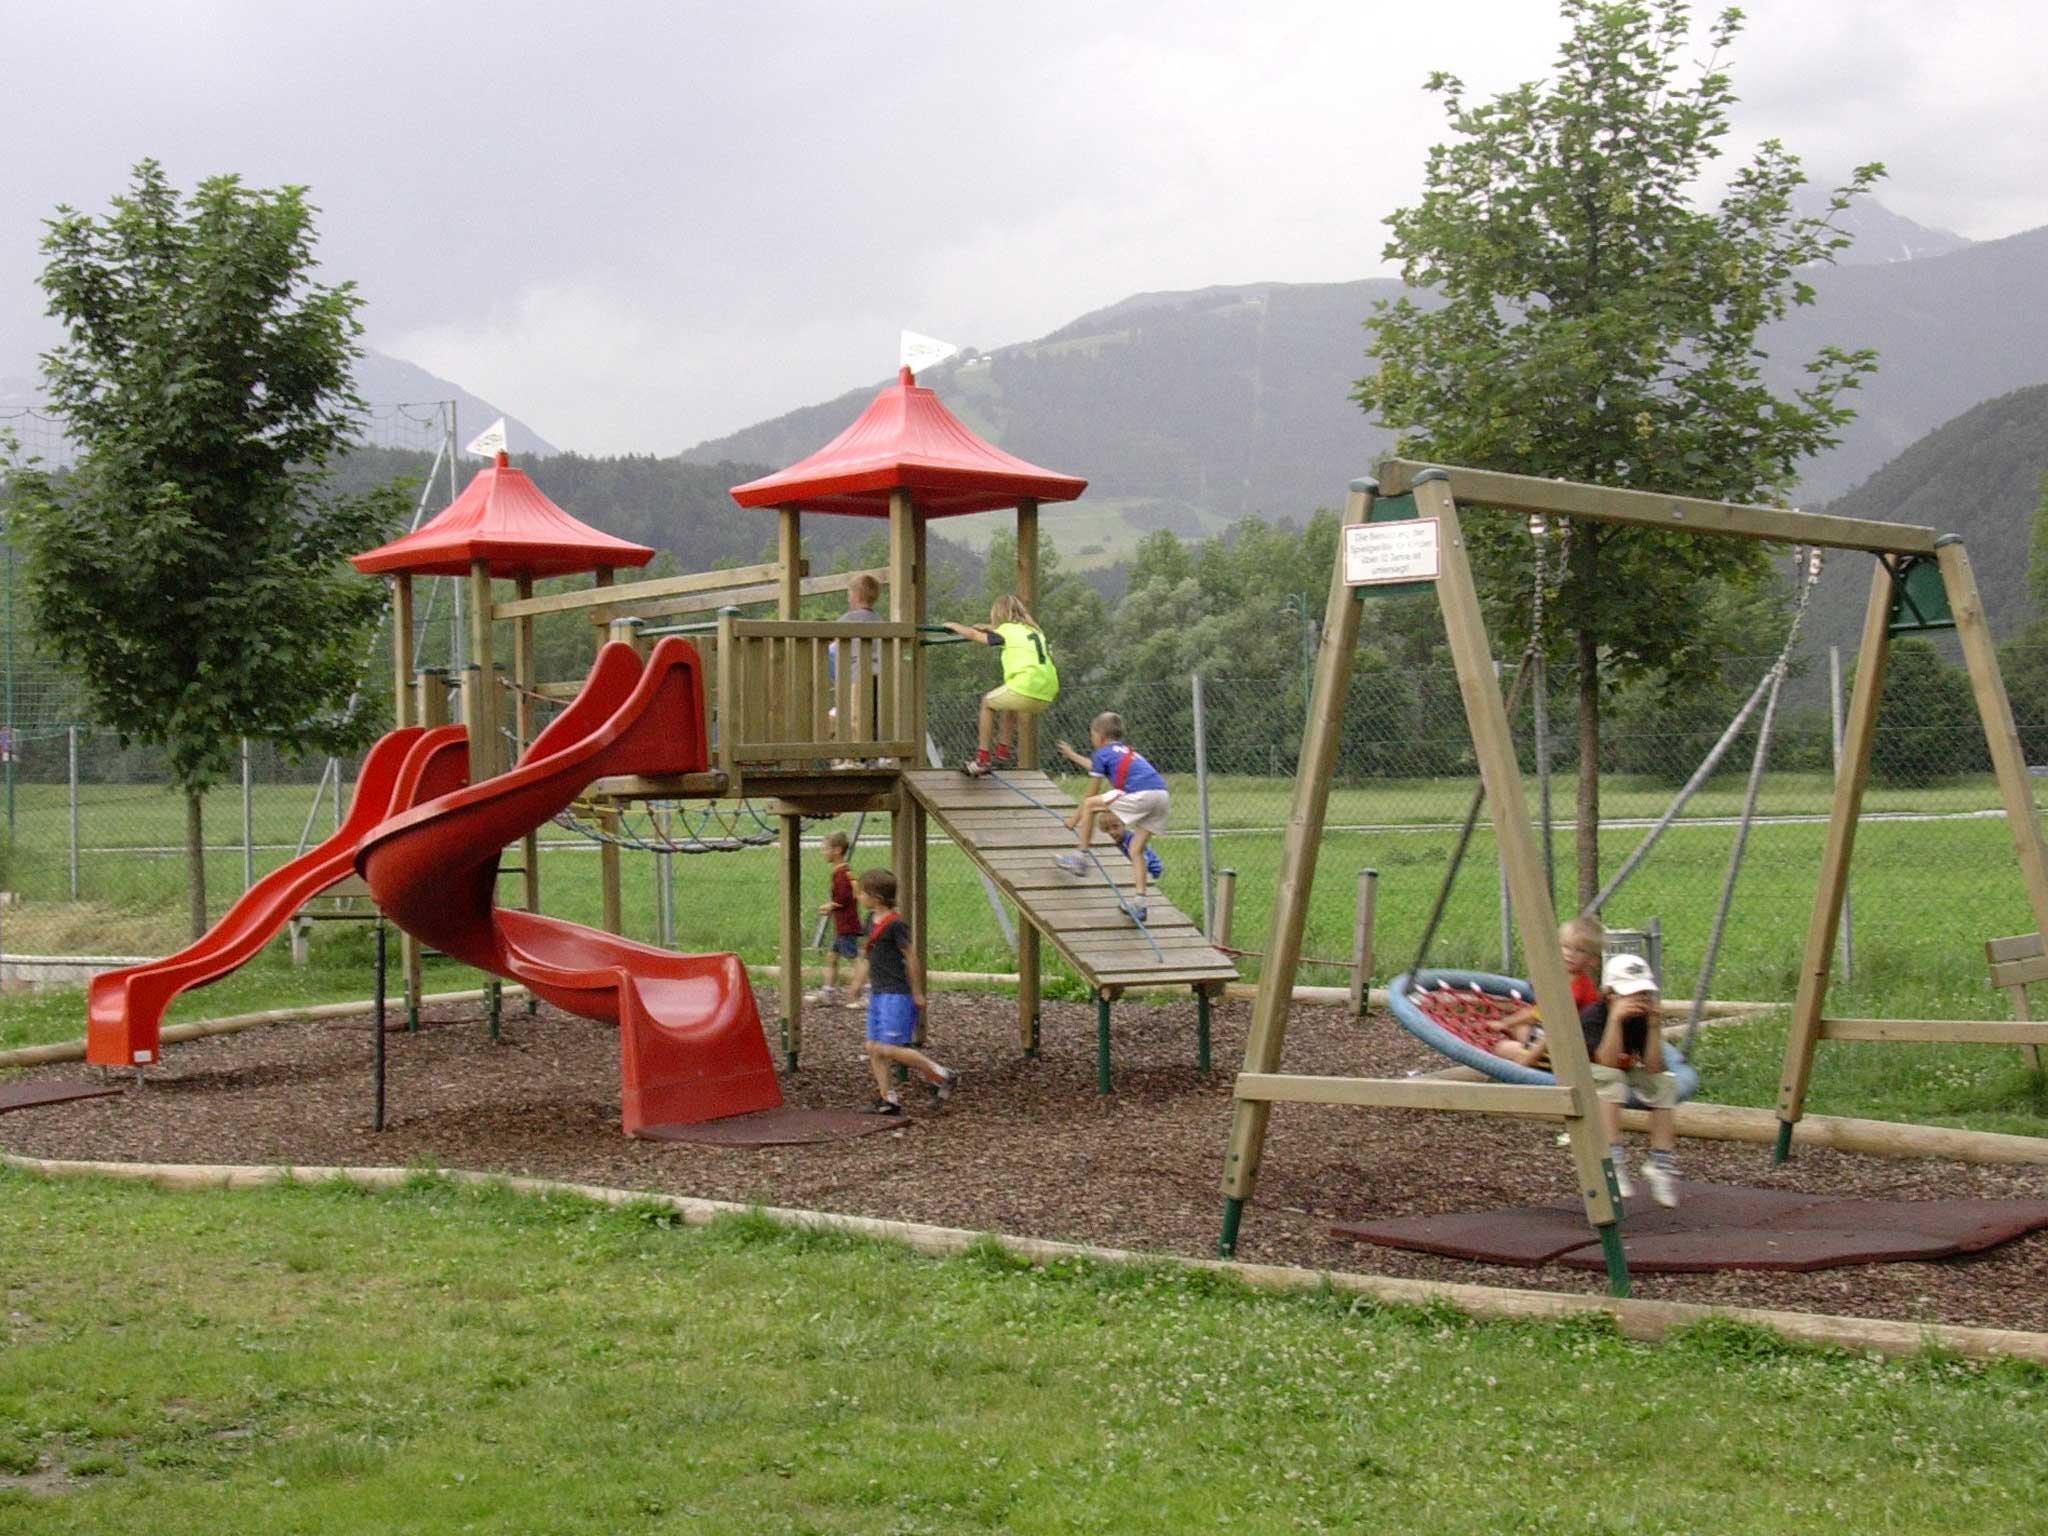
{"type": "Point", "coordinates": [907, 440]}
{"type": "Point", "coordinates": [506, 520]}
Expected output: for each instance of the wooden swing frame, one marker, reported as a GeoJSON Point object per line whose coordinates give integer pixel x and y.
{"type": "Point", "coordinates": [1437, 492]}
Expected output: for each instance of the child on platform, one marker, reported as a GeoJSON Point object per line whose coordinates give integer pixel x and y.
{"type": "Point", "coordinates": [844, 912]}
{"type": "Point", "coordinates": [1030, 681]}
{"type": "Point", "coordinates": [889, 965]}
{"type": "Point", "coordinates": [1124, 784]}
{"type": "Point", "coordinates": [1582, 941]}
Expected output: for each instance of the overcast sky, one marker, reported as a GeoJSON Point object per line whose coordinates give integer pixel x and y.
{"type": "Point", "coordinates": [640, 225]}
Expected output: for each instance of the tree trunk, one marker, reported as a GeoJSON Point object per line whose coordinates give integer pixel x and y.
{"type": "Point", "coordinates": [1588, 812]}
{"type": "Point", "coordinates": [195, 858]}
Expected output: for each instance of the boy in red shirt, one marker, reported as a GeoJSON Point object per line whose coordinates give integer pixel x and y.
{"type": "Point", "coordinates": [845, 915]}
{"type": "Point", "coordinates": [1584, 943]}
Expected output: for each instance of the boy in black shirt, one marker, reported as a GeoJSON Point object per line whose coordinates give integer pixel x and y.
{"type": "Point", "coordinates": [888, 964]}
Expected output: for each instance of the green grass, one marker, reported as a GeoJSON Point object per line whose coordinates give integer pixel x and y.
{"type": "Point", "coordinates": [434, 1360]}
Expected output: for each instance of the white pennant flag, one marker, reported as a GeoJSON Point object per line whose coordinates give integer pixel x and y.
{"type": "Point", "coordinates": [490, 442]}
{"type": "Point", "coordinates": [921, 352]}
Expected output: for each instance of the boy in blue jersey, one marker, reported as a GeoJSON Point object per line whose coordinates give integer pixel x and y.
{"type": "Point", "coordinates": [1128, 787]}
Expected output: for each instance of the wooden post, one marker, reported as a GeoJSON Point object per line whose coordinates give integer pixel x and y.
{"type": "Point", "coordinates": [523, 681]}
{"type": "Point", "coordinates": [1361, 939]}
{"type": "Point", "coordinates": [788, 605]}
{"type": "Point", "coordinates": [401, 650]}
{"type": "Point", "coordinates": [906, 821]}
{"type": "Point", "coordinates": [481, 711]}
{"type": "Point", "coordinates": [1298, 850]}
{"type": "Point", "coordinates": [920, 831]}
{"type": "Point", "coordinates": [1872, 655]}
{"type": "Point", "coordinates": [1029, 979]}
{"type": "Point", "coordinates": [2001, 734]}
{"type": "Point", "coordinates": [432, 696]}
{"type": "Point", "coordinates": [613, 919]}
{"type": "Point", "coordinates": [1514, 834]}
{"type": "Point", "coordinates": [1226, 907]}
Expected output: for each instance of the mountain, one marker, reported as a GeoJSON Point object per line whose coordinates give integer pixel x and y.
{"type": "Point", "coordinates": [1881, 236]}
{"type": "Point", "coordinates": [1978, 476]}
{"type": "Point", "coordinates": [383, 381]}
{"type": "Point", "coordinates": [1190, 410]}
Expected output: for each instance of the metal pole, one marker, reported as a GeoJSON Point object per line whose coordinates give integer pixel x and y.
{"type": "Point", "coordinates": [1845, 937]}
{"type": "Point", "coordinates": [71, 742]}
{"type": "Point", "coordinates": [1202, 804]}
{"type": "Point", "coordinates": [13, 747]}
{"type": "Point", "coordinates": [248, 822]}
{"type": "Point", "coordinates": [457, 644]}
{"type": "Point", "coordinates": [377, 1030]}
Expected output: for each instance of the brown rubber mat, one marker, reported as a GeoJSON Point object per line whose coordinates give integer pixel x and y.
{"type": "Point", "coordinates": [1717, 1227]}
{"type": "Point", "coordinates": [29, 1095]}
{"type": "Point", "coordinates": [784, 1127]}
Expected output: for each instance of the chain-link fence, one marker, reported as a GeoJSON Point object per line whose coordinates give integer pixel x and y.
{"type": "Point", "coordinates": [93, 847]}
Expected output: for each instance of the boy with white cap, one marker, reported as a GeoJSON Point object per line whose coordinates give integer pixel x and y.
{"type": "Point", "coordinates": [1626, 1044]}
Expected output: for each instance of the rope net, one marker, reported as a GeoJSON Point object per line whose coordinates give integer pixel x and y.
{"type": "Point", "coordinates": [1471, 1013]}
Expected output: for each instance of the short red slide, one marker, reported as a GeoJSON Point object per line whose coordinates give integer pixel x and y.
{"type": "Point", "coordinates": [690, 1040]}
{"type": "Point", "coordinates": [125, 1008]}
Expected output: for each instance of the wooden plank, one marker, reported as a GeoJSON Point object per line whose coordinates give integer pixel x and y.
{"type": "Point", "coordinates": [821, 629]}
{"type": "Point", "coordinates": [802, 751]}
{"type": "Point", "coordinates": [1554, 1103]}
{"type": "Point", "coordinates": [1028, 959]}
{"type": "Point", "coordinates": [726, 703]}
{"type": "Point", "coordinates": [1952, 1031]}
{"type": "Point", "coordinates": [1500, 772]}
{"type": "Point", "coordinates": [1853, 768]}
{"type": "Point", "coordinates": [610, 596]}
{"type": "Point", "coordinates": [1035, 833]}
{"type": "Point", "coordinates": [1650, 509]}
{"type": "Point", "coordinates": [852, 725]}
{"type": "Point", "coordinates": [820, 724]}
{"type": "Point", "coordinates": [664, 786]}
{"type": "Point", "coordinates": [402, 703]}
{"type": "Point", "coordinates": [2021, 946]}
{"type": "Point", "coordinates": [738, 597]}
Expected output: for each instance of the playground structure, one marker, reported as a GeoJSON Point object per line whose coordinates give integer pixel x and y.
{"type": "Point", "coordinates": [1402, 533]}
{"type": "Point", "coordinates": [781, 718]}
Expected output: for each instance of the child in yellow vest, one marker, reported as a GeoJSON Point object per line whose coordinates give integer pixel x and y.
{"type": "Point", "coordinates": [1030, 681]}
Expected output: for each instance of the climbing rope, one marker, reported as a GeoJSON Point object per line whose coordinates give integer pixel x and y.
{"type": "Point", "coordinates": [1107, 879]}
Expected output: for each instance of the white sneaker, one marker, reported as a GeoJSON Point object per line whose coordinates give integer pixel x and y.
{"type": "Point", "coordinates": [1663, 1181]}
{"type": "Point", "coordinates": [825, 997]}
{"type": "Point", "coordinates": [1623, 1185]}
{"type": "Point", "coordinates": [1072, 863]}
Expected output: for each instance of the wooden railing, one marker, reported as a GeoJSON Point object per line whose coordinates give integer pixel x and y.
{"type": "Point", "coordinates": [777, 697]}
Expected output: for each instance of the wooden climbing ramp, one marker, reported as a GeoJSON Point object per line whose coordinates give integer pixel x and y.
{"type": "Point", "coordinates": [1010, 825]}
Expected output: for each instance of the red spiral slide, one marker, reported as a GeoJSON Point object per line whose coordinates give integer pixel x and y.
{"type": "Point", "coordinates": [690, 1041]}
{"type": "Point", "coordinates": [125, 1008]}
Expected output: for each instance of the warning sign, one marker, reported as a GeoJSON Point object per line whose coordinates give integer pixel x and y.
{"type": "Point", "coordinates": [1377, 554]}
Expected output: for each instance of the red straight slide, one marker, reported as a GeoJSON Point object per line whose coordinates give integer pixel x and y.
{"type": "Point", "coordinates": [125, 1008]}
{"type": "Point", "coordinates": [690, 1041]}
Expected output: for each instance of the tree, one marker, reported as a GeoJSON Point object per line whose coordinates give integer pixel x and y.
{"type": "Point", "coordinates": [2024, 659]}
{"type": "Point", "coordinates": [191, 564]}
{"type": "Point", "coordinates": [1595, 325]}
{"type": "Point", "coordinates": [1927, 723]}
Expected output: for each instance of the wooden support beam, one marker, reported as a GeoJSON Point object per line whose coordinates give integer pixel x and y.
{"type": "Point", "coordinates": [735, 597]}
{"type": "Point", "coordinates": [1651, 509]}
{"type": "Point", "coordinates": [613, 918]}
{"type": "Point", "coordinates": [523, 733]}
{"type": "Point", "coordinates": [1029, 960]}
{"type": "Point", "coordinates": [1291, 896]}
{"type": "Point", "coordinates": [2001, 735]}
{"type": "Point", "coordinates": [1537, 1103]}
{"type": "Point", "coordinates": [1950, 1031]}
{"type": "Point", "coordinates": [1852, 769]}
{"type": "Point", "coordinates": [433, 685]}
{"type": "Point", "coordinates": [402, 706]}
{"type": "Point", "coordinates": [608, 595]}
{"type": "Point", "coordinates": [481, 711]}
{"type": "Point", "coordinates": [788, 608]}
{"type": "Point", "coordinates": [1514, 834]}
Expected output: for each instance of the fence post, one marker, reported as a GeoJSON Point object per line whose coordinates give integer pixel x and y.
{"type": "Point", "coordinates": [248, 823]}
{"type": "Point", "coordinates": [1202, 803]}
{"type": "Point", "coordinates": [1361, 939]}
{"type": "Point", "coordinates": [1845, 937]}
{"type": "Point", "coordinates": [71, 777]}
{"type": "Point", "coordinates": [1226, 905]}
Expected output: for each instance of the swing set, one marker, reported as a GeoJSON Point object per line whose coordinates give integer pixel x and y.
{"type": "Point", "coordinates": [1403, 533]}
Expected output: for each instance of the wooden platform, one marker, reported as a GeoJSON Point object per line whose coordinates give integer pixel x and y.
{"type": "Point", "coordinates": [1013, 841]}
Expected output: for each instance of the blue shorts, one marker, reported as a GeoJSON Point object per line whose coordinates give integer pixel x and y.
{"type": "Point", "coordinates": [846, 945]}
{"type": "Point", "coordinates": [892, 1018]}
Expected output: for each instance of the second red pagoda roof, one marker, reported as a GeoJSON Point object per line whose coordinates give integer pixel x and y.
{"type": "Point", "coordinates": [907, 440]}
{"type": "Point", "coordinates": [505, 520]}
